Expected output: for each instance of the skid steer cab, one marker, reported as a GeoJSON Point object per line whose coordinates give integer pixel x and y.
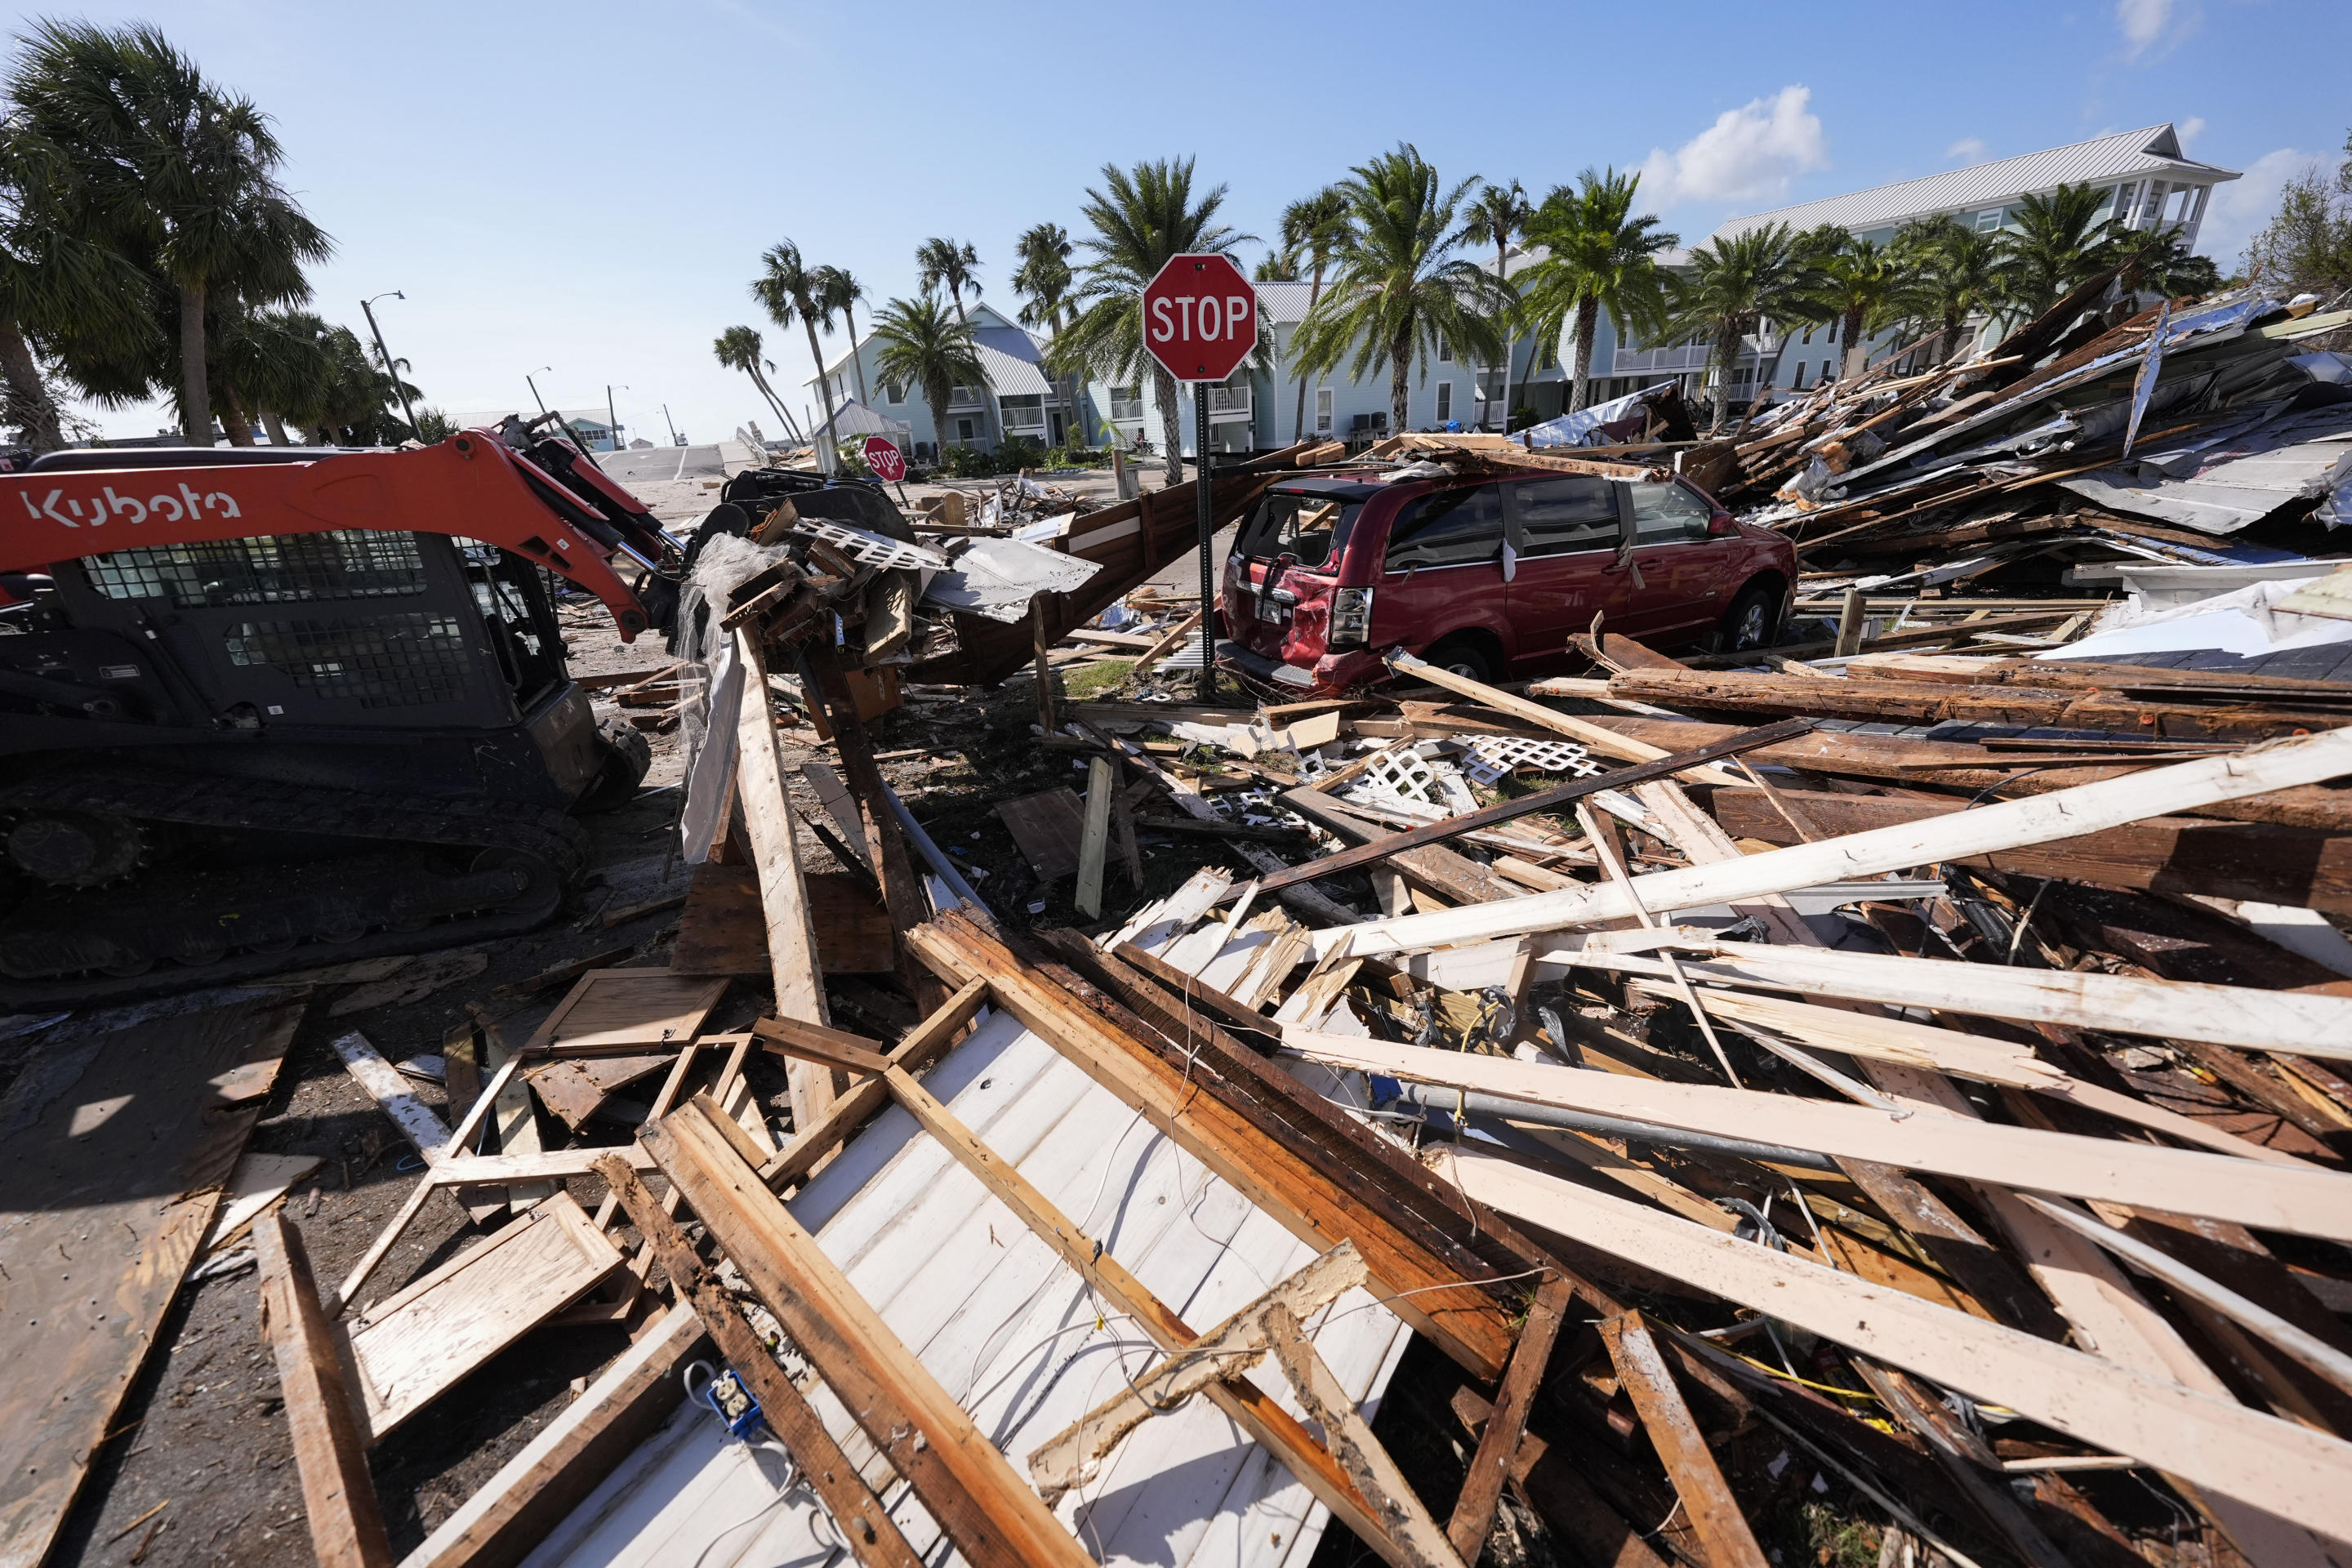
{"type": "Point", "coordinates": [265, 708]}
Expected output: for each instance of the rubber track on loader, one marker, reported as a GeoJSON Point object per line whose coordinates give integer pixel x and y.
{"type": "Point", "coordinates": [548, 837]}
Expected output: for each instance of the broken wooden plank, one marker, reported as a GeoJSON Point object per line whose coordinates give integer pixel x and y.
{"type": "Point", "coordinates": [1673, 1431]}
{"type": "Point", "coordinates": [1981, 830]}
{"type": "Point", "coordinates": [616, 1011]}
{"type": "Point", "coordinates": [1046, 827]}
{"type": "Point", "coordinates": [1095, 840]}
{"type": "Point", "coordinates": [329, 1436]}
{"type": "Point", "coordinates": [993, 1518]}
{"type": "Point", "coordinates": [724, 931]}
{"type": "Point", "coordinates": [866, 1526]}
{"type": "Point", "coordinates": [1608, 743]}
{"type": "Point", "coordinates": [2304, 1199]}
{"type": "Point", "coordinates": [1482, 1487]}
{"type": "Point", "coordinates": [922, 1045]}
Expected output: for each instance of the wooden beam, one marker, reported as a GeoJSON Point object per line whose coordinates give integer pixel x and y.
{"type": "Point", "coordinates": [1041, 638]}
{"type": "Point", "coordinates": [1698, 1480]}
{"type": "Point", "coordinates": [923, 1045]}
{"type": "Point", "coordinates": [330, 1441]}
{"type": "Point", "coordinates": [1553, 1482]}
{"type": "Point", "coordinates": [571, 1456]}
{"type": "Point", "coordinates": [1167, 643]}
{"type": "Point", "coordinates": [1482, 1487]}
{"type": "Point", "coordinates": [1432, 868]}
{"type": "Point", "coordinates": [1421, 1544]}
{"type": "Point", "coordinates": [866, 1526]}
{"type": "Point", "coordinates": [2274, 1464]}
{"type": "Point", "coordinates": [1094, 843]}
{"type": "Point", "coordinates": [767, 816]}
{"type": "Point", "coordinates": [986, 1509]}
{"type": "Point", "coordinates": [884, 849]}
{"type": "Point", "coordinates": [2304, 1199]}
{"type": "Point", "coordinates": [1981, 830]}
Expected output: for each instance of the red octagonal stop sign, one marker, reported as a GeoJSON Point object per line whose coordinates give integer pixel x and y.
{"type": "Point", "coordinates": [1200, 317]}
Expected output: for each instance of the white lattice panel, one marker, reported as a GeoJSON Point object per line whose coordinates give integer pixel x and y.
{"type": "Point", "coordinates": [1491, 756]}
{"type": "Point", "coordinates": [1405, 775]}
{"type": "Point", "coordinates": [871, 548]}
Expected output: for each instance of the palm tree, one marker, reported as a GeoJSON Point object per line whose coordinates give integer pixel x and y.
{"type": "Point", "coordinates": [54, 283]}
{"type": "Point", "coordinates": [787, 290]}
{"type": "Point", "coordinates": [922, 347]}
{"type": "Point", "coordinates": [1044, 279]}
{"type": "Point", "coordinates": [951, 265]}
{"type": "Point", "coordinates": [1140, 220]}
{"type": "Point", "coordinates": [739, 347]}
{"type": "Point", "coordinates": [179, 171]}
{"type": "Point", "coordinates": [2163, 266]}
{"type": "Point", "coordinates": [1862, 288]}
{"type": "Point", "coordinates": [1400, 285]}
{"type": "Point", "coordinates": [1598, 256]}
{"type": "Point", "coordinates": [1497, 215]}
{"type": "Point", "coordinates": [837, 290]}
{"type": "Point", "coordinates": [1954, 274]}
{"type": "Point", "coordinates": [2058, 242]}
{"type": "Point", "coordinates": [1313, 226]}
{"type": "Point", "coordinates": [1729, 289]}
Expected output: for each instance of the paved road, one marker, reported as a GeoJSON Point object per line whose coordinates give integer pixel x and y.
{"type": "Point", "coordinates": [664, 463]}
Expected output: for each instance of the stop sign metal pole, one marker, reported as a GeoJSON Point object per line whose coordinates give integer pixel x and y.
{"type": "Point", "coordinates": [1201, 511]}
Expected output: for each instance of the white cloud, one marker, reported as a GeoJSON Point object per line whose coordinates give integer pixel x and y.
{"type": "Point", "coordinates": [1969, 150]}
{"type": "Point", "coordinates": [1749, 153]}
{"type": "Point", "coordinates": [2150, 26]}
{"type": "Point", "coordinates": [2190, 130]}
{"type": "Point", "coordinates": [2237, 211]}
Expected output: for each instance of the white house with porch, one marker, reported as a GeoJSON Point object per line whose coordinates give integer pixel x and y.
{"type": "Point", "coordinates": [1018, 400]}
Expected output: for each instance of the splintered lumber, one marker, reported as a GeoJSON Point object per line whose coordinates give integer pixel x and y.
{"type": "Point", "coordinates": [986, 1509]}
{"type": "Point", "coordinates": [2249, 860]}
{"type": "Point", "coordinates": [1482, 1487]}
{"type": "Point", "coordinates": [1095, 843]}
{"type": "Point", "coordinates": [1987, 768]}
{"type": "Point", "coordinates": [1419, 1542]}
{"type": "Point", "coordinates": [1980, 831]}
{"type": "Point", "coordinates": [1429, 1278]}
{"type": "Point", "coordinates": [1165, 644]}
{"type": "Point", "coordinates": [865, 1524]}
{"type": "Point", "coordinates": [2274, 1464]}
{"type": "Point", "coordinates": [127, 1136]}
{"type": "Point", "coordinates": [2304, 1199]}
{"type": "Point", "coordinates": [1674, 1430]}
{"type": "Point", "coordinates": [1432, 868]}
{"type": "Point", "coordinates": [1607, 741]}
{"type": "Point", "coordinates": [330, 1439]}
{"type": "Point", "coordinates": [767, 816]}
{"type": "Point", "coordinates": [923, 1045]}
{"type": "Point", "coordinates": [1554, 1483]}
{"type": "Point", "coordinates": [1074, 1455]}
{"type": "Point", "coordinates": [1542, 800]}
{"type": "Point", "coordinates": [2309, 1023]}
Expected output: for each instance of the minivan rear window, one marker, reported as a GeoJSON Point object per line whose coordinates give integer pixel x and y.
{"type": "Point", "coordinates": [1313, 528]}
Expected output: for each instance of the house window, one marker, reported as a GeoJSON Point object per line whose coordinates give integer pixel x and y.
{"type": "Point", "coordinates": [1127, 403]}
{"type": "Point", "coordinates": [1799, 385]}
{"type": "Point", "coordinates": [1809, 335]}
{"type": "Point", "coordinates": [963, 431]}
{"type": "Point", "coordinates": [963, 397]}
{"type": "Point", "coordinates": [1445, 352]}
{"type": "Point", "coordinates": [1323, 410]}
{"type": "Point", "coordinates": [893, 392]}
{"type": "Point", "coordinates": [1023, 411]}
{"type": "Point", "coordinates": [1444, 401]}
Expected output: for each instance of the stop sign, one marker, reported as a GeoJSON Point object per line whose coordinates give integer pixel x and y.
{"type": "Point", "coordinates": [883, 457]}
{"type": "Point", "coordinates": [1200, 317]}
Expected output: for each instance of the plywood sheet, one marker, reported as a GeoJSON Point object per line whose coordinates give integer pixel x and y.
{"type": "Point", "coordinates": [113, 1147]}
{"type": "Point", "coordinates": [1047, 826]}
{"type": "Point", "coordinates": [616, 1012]}
{"type": "Point", "coordinates": [575, 1090]}
{"type": "Point", "coordinates": [724, 932]}
{"type": "Point", "coordinates": [416, 1345]}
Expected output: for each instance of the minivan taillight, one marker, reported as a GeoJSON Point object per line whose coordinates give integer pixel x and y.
{"type": "Point", "coordinates": [1351, 618]}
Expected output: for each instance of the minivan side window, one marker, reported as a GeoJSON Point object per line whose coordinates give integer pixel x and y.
{"type": "Point", "coordinates": [1560, 517]}
{"type": "Point", "coordinates": [1452, 527]}
{"type": "Point", "coordinates": [1668, 514]}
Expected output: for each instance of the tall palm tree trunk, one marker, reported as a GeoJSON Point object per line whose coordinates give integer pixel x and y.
{"type": "Point", "coordinates": [1510, 337]}
{"type": "Point", "coordinates": [276, 428]}
{"type": "Point", "coordinates": [1400, 389]}
{"type": "Point", "coordinates": [196, 398]}
{"type": "Point", "coordinates": [234, 421]}
{"type": "Point", "coordinates": [939, 425]}
{"type": "Point", "coordinates": [791, 428]}
{"type": "Point", "coordinates": [1588, 322]}
{"type": "Point", "coordinates": [1172, 420]}
{"type": "Point", "coordinates": [30, 409]}
{"type": "Point", "coordinates": [1314, 297]}
{"type": "Point", "coordinates": [1850, 363]}
{"type": "Point", "coordinates": [1068, 386]}
{"type": "Point", "coordinates": [1726, 350]}
{"type": "Point", "coordinates": [825, 460]}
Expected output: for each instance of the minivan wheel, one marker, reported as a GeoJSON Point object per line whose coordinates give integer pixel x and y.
{"type": "Point", "coordinates": [1464, 658]}
{"type": "Point", "coordinates": [1752, 621]}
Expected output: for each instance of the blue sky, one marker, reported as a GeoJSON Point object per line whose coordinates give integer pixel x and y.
{"type": "Point", "coordinates": [588, 186]}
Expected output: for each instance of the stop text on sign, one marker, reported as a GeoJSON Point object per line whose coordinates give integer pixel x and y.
{"type": "Point", "coordinates": [1182, 318]}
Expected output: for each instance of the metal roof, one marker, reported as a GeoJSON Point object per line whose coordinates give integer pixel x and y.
{"type": "Point", "coordinates": [2130, 155]}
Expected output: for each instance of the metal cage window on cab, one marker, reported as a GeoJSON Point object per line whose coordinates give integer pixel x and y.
{"type": "Point", "coordinates": [267, 570]}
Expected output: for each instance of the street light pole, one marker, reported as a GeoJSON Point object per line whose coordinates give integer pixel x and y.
{"type": "Point", "coordinates": [612, 416]}
{"type": "Point", "coordinates": [390, 367]}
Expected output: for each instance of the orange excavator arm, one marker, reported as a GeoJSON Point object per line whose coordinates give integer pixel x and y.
{"type": "Point", "coordinates": [472, 486]}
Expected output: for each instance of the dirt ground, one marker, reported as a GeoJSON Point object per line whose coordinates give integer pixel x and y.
{"type": "Point", "coordinates": [202, 1432]}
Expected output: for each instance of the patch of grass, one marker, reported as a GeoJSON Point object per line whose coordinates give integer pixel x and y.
{"type": "Point", "coordinates": [1088, 682]}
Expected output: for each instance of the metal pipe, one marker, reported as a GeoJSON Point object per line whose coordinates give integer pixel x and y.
{"type": "Point", "coordinates": [1495, 1105]}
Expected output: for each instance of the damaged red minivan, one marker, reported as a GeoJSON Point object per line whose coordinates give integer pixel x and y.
{"type": "Point", "coordinates": [1490, 577]}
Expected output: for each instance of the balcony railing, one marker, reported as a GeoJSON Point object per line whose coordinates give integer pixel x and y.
{"type": "Point", "coordinates": [1228, 403]}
